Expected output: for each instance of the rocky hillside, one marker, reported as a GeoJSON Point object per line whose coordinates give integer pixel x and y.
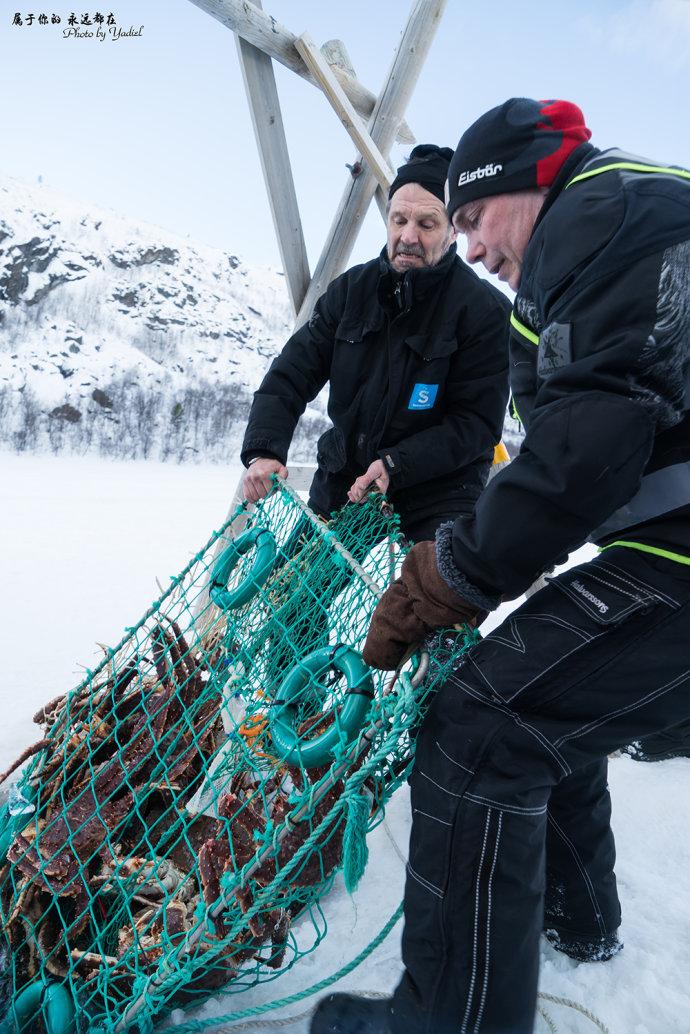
{"type": "Point", "coordinates": [122, 339]}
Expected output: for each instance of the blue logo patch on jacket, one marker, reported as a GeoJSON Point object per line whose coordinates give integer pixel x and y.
{"type": "Point", "coordinates": [423, 396]}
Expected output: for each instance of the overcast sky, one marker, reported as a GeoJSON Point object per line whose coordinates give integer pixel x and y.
{"type": "Point", "coordinates": [157, 127]}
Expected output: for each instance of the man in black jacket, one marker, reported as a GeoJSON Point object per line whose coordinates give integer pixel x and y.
{"type": "Point", "coordinates": [511, 813]}
{"type": "Point", "coordinates": [414, 346]}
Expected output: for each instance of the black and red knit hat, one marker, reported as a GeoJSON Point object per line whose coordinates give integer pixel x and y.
{"type": "Point", "coordinates": [518, 145]}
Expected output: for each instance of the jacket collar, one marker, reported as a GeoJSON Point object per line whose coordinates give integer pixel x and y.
{"type": "Point", "coordinates": [412, 285]}
{"type": "Point", "coordinates": [573, 163]}
{"type": "Point", "coordinates": [571, 166]}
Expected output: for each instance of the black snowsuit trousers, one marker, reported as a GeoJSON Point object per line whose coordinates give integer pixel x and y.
{"type": "Point", "coordinates": [511, 759]}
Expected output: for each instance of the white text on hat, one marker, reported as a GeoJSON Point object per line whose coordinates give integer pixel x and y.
{"type": "Point", "coordinates": [478, 174]}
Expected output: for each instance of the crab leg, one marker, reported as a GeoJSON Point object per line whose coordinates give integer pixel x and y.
{"type": "Point", "coordinates": [28, 753]}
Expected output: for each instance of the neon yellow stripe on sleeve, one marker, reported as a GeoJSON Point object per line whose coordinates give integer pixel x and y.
{"type": "Point", "coordinates": [523, 330]}
{"type": "Point", "coordinates": [631, 167]}
{"type": "Point", "coordinates": [678, 558]}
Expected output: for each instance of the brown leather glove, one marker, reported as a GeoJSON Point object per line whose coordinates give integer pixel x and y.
{"type": "Point", "coordinates": [414, 605]}
{"type": "Point", "coordinates": [394, 626]}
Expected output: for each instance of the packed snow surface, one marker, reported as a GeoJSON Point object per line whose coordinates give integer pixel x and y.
{"type": "Point", "coordinates": [83, 541]}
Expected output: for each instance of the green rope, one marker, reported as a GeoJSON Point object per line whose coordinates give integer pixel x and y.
{"type": "Point", "coordinates": [355, 850]}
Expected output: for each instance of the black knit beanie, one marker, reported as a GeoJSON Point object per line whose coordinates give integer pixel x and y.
{"type": "Point", "coordinates": [427, 166]}
{"type": "Point", "coordinates": [518, 145]}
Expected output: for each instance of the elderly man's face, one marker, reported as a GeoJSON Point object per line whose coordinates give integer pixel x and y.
{"type": "Point", "coordinates": [419, 233]}
{"type": "Point", "coordinates": [498, 230]}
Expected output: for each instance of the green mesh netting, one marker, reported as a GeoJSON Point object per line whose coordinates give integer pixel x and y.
{"type": "Point", "coordinates": [192, 800]}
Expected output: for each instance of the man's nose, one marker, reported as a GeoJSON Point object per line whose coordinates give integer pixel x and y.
{"type": "Point", "coordinates": [475, 249]}
{"type": "Point", "coordinates": [409, 234]}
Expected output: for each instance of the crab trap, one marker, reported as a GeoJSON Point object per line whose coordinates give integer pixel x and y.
{"type": "Point", "coordinates": [192, 800]}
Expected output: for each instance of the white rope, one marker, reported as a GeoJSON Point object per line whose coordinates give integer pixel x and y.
{"type": "Point", "coordinates": [570, 1004]}
{"type": "Point", "coordinates": [389, 834]}
{"type": "Point", "coordinates": [262, 1023]}
{"type": "Point", "coordinates": [547, 1020]}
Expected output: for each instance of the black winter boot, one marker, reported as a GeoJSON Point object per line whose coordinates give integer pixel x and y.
{"type": "Point", "coordinates": [351, 1014]}
{"type": "Point", "coordinates": [584, 949]}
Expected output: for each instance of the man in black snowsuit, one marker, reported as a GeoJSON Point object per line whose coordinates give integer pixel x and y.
{"type": "Point", "coordinates": [414, 346]}
{"type": "Point", "coordinates": [510, 829]}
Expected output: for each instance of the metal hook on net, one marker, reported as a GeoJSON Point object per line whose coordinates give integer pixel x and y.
{"type": "Point", "coordinates": [421, 654]}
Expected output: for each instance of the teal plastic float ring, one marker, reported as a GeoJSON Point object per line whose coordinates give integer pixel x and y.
{"type": "Point", "coordinates": [228, 599]}
{"type": "Point", "coordinates": [52, 1002]}
{"type": "Point", "coordinates": [360, 692]}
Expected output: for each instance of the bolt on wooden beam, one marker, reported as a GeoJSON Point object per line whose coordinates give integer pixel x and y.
{"type": "Point", "coordinates": [340, 103]}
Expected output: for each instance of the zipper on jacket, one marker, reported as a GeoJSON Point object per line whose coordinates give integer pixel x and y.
{"type": "Point", "coordinates": [397, 291]}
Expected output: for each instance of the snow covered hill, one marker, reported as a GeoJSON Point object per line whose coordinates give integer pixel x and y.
{"type": "Point", "coordinates": [119, 338]}
{"type": "Point", "coordinates": [122, 339]}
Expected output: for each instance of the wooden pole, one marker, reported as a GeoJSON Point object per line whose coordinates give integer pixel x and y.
{"type": "Point", "coordinates": [335, 52]}
{"type": "Point", "coordinates": [340, 103]}
{"type": "Point", "coordinates": [267, 119]}
{"type": "Point", "coordinates": [257, 27]}
{"type": "Point", "coordinates": [402, 78]}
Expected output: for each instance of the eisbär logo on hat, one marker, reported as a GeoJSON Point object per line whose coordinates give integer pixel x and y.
{"type": "Point", "coordinates": [477, 174]}
{"type": "Point", "coordinates": [519, 145]}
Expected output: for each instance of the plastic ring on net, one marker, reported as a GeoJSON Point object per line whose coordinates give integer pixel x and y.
{"type": "Point", "coordinates": [11, 824]}
{"type": "Point", "coordinates": [421, 669]}
{"type": "Point", "coordinates": [51, 1002]}
{"type": "Point", "coordinates": [229, 599]}
{"type": "Point", "coordinates": [318, 751]}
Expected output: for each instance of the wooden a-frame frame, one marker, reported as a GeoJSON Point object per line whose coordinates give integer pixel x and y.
{"type": "Point", "coordinates": [374, 123]}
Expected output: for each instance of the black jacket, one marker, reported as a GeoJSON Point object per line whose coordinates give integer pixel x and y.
{"type": "Point", "coordinates": [600, 350]}
{"type": "Point", "coordinates": [417, 367]}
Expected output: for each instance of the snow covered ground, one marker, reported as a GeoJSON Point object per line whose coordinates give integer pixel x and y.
{"type": "Point", "coordinates": [82, 543]}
